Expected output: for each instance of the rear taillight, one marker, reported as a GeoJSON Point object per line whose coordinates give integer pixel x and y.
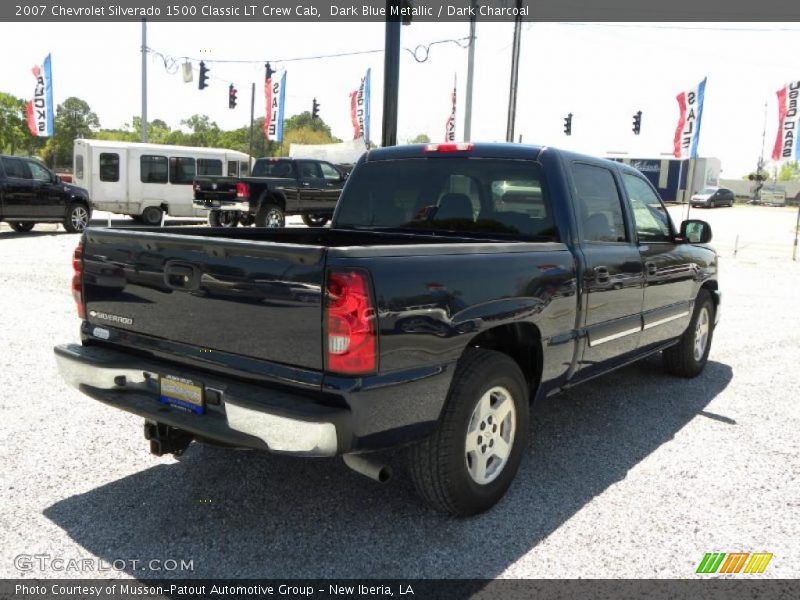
{"type": "Point", "coordinates": [449, 147]}
{"type": "Point", "coordinates": [242, 190]}
{"type": "Point", "coordinates": [350, 323]}
{"type": "Point", "coordinates": [77, 278]}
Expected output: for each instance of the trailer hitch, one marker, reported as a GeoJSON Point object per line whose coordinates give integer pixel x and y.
{"type": "Point", "coordinates": [165, 439]}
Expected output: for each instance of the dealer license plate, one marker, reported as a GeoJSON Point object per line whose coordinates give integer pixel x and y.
{"type": "Point", "coordinates": [182, 393]}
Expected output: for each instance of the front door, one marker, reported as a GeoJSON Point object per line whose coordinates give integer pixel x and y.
{"type": "Point", "coordinates": [669, 272]}
{"type": "Point", "coordinates": [50, 200]}
{"type": "Point", "coordinates": [612, 278]}
{"type": "Point", "coordinates": [332, 189]}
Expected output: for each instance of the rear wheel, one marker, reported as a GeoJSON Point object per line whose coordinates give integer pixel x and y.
{"type": "Point", "coordinates": [315, 220]}
{"type": "Point", "coordinates": [270, 215]}
{"type": "Point", "coordinates": [77, 218]}
{"type": "Point", "coordinates": [21, 226]}
{"type": "Point", "coordinates": [223, 218]}
{"type": "Point", "coordinates": [151, 216]}
{"type": "Point", "coordinates": [469, 462]}
{"type": "Point", "coordinates": [689, 356]}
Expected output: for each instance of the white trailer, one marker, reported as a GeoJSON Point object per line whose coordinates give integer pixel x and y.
{"type": "Point", "coordinates": [145, 181]}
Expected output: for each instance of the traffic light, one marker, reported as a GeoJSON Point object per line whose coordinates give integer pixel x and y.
{"type": "Point", "coordinates": [231, 96]}
{"type": "Point", "coordinates": [315, 109]}
{"type": "Point", "coordinates": [568, 124]}
{"type": "Point", "coordinates": [203, 79]}
{"type": "Point", "coordinates": [637, 122]}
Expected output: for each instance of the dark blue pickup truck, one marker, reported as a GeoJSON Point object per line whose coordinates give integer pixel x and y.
{"type": "Point", "coordinates": [457, 284]}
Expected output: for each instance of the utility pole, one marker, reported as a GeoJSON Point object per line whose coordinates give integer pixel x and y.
{"type": "Point", "coordinates": [391, 75]}
{"type": "Point", "coordinates": [144, 80]}
{"type": "Point", "coordinates": [470, 71]}
{"type": "Point", "coordinates": [512, 93]}
{"type": "Point", "coordinates": [252, 117]}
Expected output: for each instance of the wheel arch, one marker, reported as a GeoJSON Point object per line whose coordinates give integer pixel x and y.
{"type": "Point", "coordinates": [520, 341]}
{"type": "Point", "coordinates": [272, 197]}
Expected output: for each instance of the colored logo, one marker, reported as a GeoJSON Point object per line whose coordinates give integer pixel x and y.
{"type": "Point", "coordinates": [736, 562]}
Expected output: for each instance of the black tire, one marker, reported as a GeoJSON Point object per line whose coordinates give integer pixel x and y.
{"type": "Point", "coordinates": [21, 226]}
{"type": "Point", "coordinates": [77, 219]}
{"type": "Point", "coordinates": [223, 218]}
{"type": "Point", "coordinates": [315, 220]}
{"type": "Point", "coordinates": [682, 358]}
{"type": "Point", "coordinates": [270, 215]}
{"type": "Point", "coordinates": [440, 464]}
{"type": "Point", "coordinates": [246, 219]}
{"type": "Point", "coordinates": [151, 216]}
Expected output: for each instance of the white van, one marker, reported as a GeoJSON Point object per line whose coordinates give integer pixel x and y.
{"type": "Point", "coordinates": [148, 180]}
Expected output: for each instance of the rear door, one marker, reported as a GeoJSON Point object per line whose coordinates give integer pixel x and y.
{"type": "Point", "coordinates": [19, 189]}
{"type": "Point", "coordinates": [613, 274]}
{"type": "Point", "coordinates": [312, 185]}
{"type": "Point", "coordinates": [669, 270]}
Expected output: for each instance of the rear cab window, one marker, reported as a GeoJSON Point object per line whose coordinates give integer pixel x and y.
{"type": "Point", "coordinates": [504, 198]}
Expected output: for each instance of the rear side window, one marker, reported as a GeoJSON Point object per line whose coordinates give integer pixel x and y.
{"type": "Point", "coordinates": [79, 166]}
{"type": "Point", "coordinates": [109, 166]}
{"type": "Point", "coordinates": [14, 167]}
{"type": "Point", "coordinates": [273, 168]}
{"type": "Point", "coordinates": [499, 197]}
{"type": "Point", "coordinates": [181, 170]}
{"type": "Point", "coordinates": [599, 204]}
{"type": "Point", "coordinates": [209, 166]}
{"type": "Point", "coordinates": [153, 169]}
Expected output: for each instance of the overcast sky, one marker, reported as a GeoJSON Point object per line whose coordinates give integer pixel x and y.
{"type": "Point", "coordinates": [602, 73]}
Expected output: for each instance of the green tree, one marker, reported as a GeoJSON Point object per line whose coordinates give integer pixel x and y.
{"type": "Point", "coordinates": [204, 131]}
{"type": "Point", "coordinates": [14, 134]}
{"type": "Point", "coordinates": [790, 171]}
{"type": "Point", "coordinates": [422, 138]}
{"type": "Point", "coordinates": [74, 119]}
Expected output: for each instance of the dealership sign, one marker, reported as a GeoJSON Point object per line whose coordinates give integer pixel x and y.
{"type": "Point", "coordinates": [786, 147]}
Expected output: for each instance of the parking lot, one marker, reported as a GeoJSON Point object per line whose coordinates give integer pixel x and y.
{"type": "Point", "coordinates": [635, 475]}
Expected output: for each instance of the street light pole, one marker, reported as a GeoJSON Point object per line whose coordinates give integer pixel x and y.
{"type": "Point", "coordinates": [512, 93]}
{"type": "Point", "coordinates": [144, 80]}
{"type": "Point", "coordinates": [470, 71]}
{"type": "Point", "coordinates": [391, 74]}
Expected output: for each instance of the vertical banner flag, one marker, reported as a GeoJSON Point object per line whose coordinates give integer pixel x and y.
{"type": "Point", "coordinates": [687, 134]}
{"type": "Point", "coordinates": [359, 109]}
{"type": "Point", "coordinates": [275, 94]}
{"type": "Point", "coordinates": [786, 147]}
{"type": "Point", "coordinates": [450, 127]}
{"type": "Point", "coordinates": [40, 109]}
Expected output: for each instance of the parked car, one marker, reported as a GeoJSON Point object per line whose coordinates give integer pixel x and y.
{"type": "Point", "coordinates": [31, 193]}
{"type": "Point", "coordinates": [712, 197]}
{"type": "Point", "coordinates": [277, 187]}
{"type": "Point", "coordinates": [457, 284]}
{"type": "Point", "coordinates": [147, 181]}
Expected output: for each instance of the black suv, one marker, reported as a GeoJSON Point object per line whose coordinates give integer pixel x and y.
{"type": "Point", "coordinates": [30, 193]}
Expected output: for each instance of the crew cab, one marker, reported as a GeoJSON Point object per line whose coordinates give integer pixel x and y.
{"type": "Point", "coordinates": [31, 193]}
{"type": "Point", "coordinates": [457, 284]}
{"type": "Point", "coordinates": [277, 187]}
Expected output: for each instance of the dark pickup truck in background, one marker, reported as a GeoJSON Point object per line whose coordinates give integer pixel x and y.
{"type": "Point", "coordinates": [457, 284]}
{"type": "Point", "coordinates": [276, 188]}
{"type": "Point", "coordinates": [30, 193]}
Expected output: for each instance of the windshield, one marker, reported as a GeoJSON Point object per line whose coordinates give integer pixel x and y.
{"type": "Point", "coordinates": [272, 167]}
{"type": "Point", "coordinates": [474, 195]}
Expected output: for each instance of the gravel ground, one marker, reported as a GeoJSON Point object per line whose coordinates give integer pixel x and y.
{"type": "Point", "coordinates": [635, 475]}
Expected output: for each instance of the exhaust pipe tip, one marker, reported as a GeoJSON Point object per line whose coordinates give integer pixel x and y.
{"type": "Point", "coordinates": [376, 471]}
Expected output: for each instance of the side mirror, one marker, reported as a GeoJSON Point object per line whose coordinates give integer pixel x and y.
{"type": "Point", "coordinates": [696, 231]}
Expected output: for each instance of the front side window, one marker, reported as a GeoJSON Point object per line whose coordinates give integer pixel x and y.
{"type": "Point", "coordinates": [109, 166]}
{"type": "Point", "coordinates": [599, 204]}
{"type": "Point", "coordinates": [652, 220]}
{"type": "Point", "coordinates": [154, 169]}
{"type": "Point", "coordinates": [181, 170]}
{"type": "Point", "coordinates": [38, 172]}
{"type": "Point", "coordinates": [209, 166]}
{"type": "Point", "coordinates": [329, 172]}
{"type": "Point", "coordinates": [309, 170]}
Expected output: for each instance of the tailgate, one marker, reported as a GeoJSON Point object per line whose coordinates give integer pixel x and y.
{"type": "Point", "coordinates": [258, 299]}
{"type": "Point", "coordinates": [215, 188]}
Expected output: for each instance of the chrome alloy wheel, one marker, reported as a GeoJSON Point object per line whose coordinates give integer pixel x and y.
{"type": "Point", "coordinates": [490, 435]}
{"type": "Point", "coordinates": [701, 332]}
{"type": "Point", "coordinates": [79, 217]}
{"type": "Point", "coordinates": [273, 218]}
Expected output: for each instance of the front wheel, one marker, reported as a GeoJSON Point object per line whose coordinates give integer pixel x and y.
{"type": "Point", "coordinates": [688, 357]}
{"type": "Point", "coordinates": [270, 215]}
{"type": "Point", "coordinates": [314, 220]}
{"type": "Point", "coordinates": [77, 218]}
{"type": "Point", "coordinates": [223, 218]}
{"type": "Point", "coordinates": [466, 466]}
{"type": "Point", "coordinates": [21, 226]}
